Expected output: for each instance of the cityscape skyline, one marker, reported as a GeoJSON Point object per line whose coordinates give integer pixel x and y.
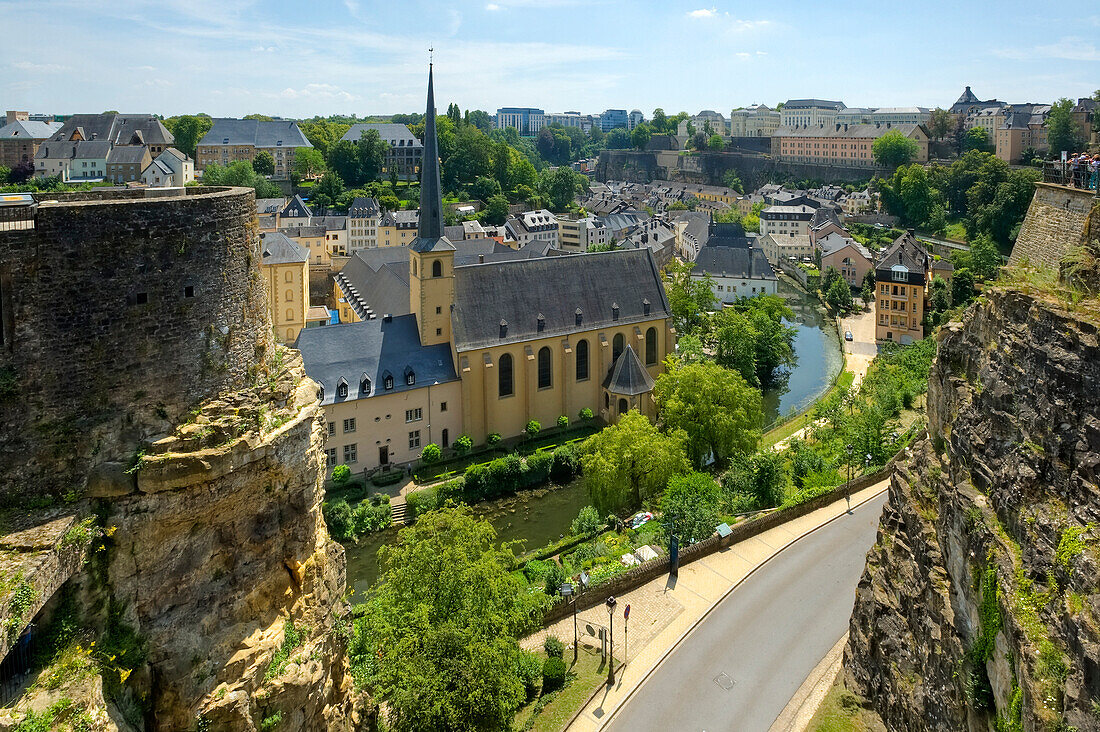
{"type": "Point", "coordinates": [355, 57]}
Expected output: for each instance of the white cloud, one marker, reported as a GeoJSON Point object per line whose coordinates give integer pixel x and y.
{"type": "Point", "coordinates": [40, 68]}
{"type": "Point", "coordinates": [326, 92]}
{"type": "Point", "coordinates": [725, 19]}
{"type": "Point", "coordinates": [263, 49]}
{"type": "Point", "coordinates": [1069, 48]}
{"type": "Point", "coordinates": [492, 7]}
{"type": "Point", "coordinates": [704, 13]}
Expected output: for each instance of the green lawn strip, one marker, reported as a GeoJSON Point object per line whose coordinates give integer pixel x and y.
{"type": "Point", "coordinates": [794, 424]}
{"type": "Point", "coordinates": [552, 713]}
{"type": "Point", "coordinates": [843, 711]}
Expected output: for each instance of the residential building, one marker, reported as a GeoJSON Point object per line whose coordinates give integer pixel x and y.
{"type": "Point", "coordinates": [843, 145]}
{"type": "Point", "coordinates": [117, 129]}
{"type": "Point", "coordinates": [968, 103]}
{"type": "Point", "coordinates": [79, 161]}
{"type": "Point", "coordinates": [708, 116]}
{"type": "Point", "coordinates": [230, 140]}
{"type": "Point", "coordinates": [901, 279]}
{"type": "Point", "coordinates": [397, 228]}
{"type": "Point", "coordinates": [531, 226]}
{"type": "Point", "coordinates": [759, 120]}
{"type": "Point", "coordinates": [20, 138]}
{"type": "Point", "coordinates": [809, 113]}
{"type": "Point", "coordinates": [500, 343]}
{"type": "Point", "coordinates": [312, 241]}
{"type": "Point", "coordinates": [859, 202]}
{"type": "Point", "coordinates": [296, 212]}
{"type": "Point", "coordinates": [785, 247]}
{"type": "Point", "coordinates": [735, 267]}
{"type": "Point", "coordinates": [363, 219]}
{"type": "Point", "coordinates": [786, 220]}
{"type": "Point", "coordinates": [1024, 128]}
{"type": "Point", "coordinates": [527, 120]}
{"type": "Point", "coordinates": [901, 116]}
{"type": "Point", "coordinates": [1084, 113]}
{"type": "Point", "coordinates": [847, 256]}
{"type": "Point", "coordinates": [989, 119]}
{"type": "Point", "coordinates": [573, 233]}
{"type": "Point", "coordinates": [125, 163]}
{"type": "Point", "coordinates": [612, 118]}
{"type": "Point", "coordinates": [404, 152]}
{"type": "Point", "coordinates": [169, 169]}
{"type": "Point", "coordinates": [285, 267]}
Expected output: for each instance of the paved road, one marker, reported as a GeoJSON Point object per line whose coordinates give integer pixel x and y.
{"type": "Point", "coordinates": [739, 668]}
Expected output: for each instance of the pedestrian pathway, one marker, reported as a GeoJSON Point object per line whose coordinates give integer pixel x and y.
{"type": "Point", "coordinates": [664, 610]}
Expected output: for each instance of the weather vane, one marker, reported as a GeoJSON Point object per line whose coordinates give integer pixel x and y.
{"type": "Point", "coordinates": [431, 52]}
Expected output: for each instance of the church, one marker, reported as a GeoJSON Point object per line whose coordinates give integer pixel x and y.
{"type": "Point", "coordinates": [485, 346]}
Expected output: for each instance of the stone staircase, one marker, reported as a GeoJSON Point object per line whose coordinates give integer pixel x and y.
{"type": "Point", "coordinates": [400, 510]}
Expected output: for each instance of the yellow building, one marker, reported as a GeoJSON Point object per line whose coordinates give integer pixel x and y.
{"type": "Point", "coordinates": [314, 242]}
{"type": "Point", "coordinates": [842, 144]}
{"type": "Point", "coordinates": [285, 268]}
{"type": "Point", "coordinates": [397, 228]}
{"type": "Point", "coordinates": [901, 278]}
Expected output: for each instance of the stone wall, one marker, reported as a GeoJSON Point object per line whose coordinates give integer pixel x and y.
{"type": "Point", "coordinates": [1056, 220]}
{"type": "Point", "coordinates": [122, 313]}
{"type": "Point", "coordinates": [981, 595]}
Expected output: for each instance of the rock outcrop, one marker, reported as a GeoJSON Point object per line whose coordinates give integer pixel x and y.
{"type": "Point", "coordinates": [979, 605]}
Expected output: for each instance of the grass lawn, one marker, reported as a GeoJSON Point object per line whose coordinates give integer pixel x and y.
{"type": "Point", "coordinates": [955, 232]}
{"type": "Point", "coordinates": [843, 711]}
{"type": "Point", "coordinates": [788, 428]}
{"type": "Point", "coordinates": [550, 713]}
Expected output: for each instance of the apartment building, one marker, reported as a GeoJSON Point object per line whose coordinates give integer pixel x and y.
{"type": "Point", "coordinates": [363, 219]}
{"type": "Point", "coordinates": [285, 267]}
{"type": "Point", "coordinates": [1024, 128]}
{"type": "Point", "coordinates": [404, 152]}
{"type": "Point", "coordinates": [809, 112]}
{"type": "Point", "coordinates": [840, 144]}
{"type": "Point", "coordinates": [230, 140]}
{"type": "Point", "coordinates": [901, 281]}
{"type": "Point", "coordinates": [786, 220]}
{"type": "Point", "coordinates": [20, 138]}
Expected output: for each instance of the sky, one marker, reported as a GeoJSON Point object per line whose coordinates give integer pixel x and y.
{"type": "Point", "coordinates": [369, 57]}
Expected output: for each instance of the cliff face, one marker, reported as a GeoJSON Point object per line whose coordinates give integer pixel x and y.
{"type": "Point", "coordinates": [979, 605]}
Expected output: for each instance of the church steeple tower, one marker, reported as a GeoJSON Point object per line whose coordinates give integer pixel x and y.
{"type": "Point", "coordinates": [431, 254]}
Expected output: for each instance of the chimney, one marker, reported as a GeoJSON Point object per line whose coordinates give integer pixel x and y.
{"type": "Point", "coordinates": [481, 259]}
{"type": "Point", "coordinates": [387, 318]}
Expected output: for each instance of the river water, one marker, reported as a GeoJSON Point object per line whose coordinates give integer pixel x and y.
{"type": "Point", "coordinates": [540, 516]}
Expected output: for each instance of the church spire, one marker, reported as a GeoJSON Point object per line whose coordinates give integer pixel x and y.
{"type": "Point", "coordinates": [430, 230]}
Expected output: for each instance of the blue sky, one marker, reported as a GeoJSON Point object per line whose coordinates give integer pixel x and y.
{"type": "Point", "coordinates": [279, 57]}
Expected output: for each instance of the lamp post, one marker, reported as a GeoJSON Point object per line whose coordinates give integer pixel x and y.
{"type": "Point", "coordinates": [567, 592]}
{"type": "Point", "coordinates": [848, 485]}
{"type": "Point", "coordinates": [611, 641]}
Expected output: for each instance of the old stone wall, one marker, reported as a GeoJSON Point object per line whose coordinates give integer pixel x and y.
{"type": "Point", "coordinates": [122, 313]}
{"type": "Point", "coordinates": [980, 600]}
{"type": "Point", "coordinates": [1056, 220]}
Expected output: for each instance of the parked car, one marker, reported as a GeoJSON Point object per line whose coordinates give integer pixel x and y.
{"type": "Point", "coordinates": [639, 519]}
{"type": "Point", "coordinates": [847, 335]}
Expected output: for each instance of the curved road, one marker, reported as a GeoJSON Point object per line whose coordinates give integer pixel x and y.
{"type": "Point", "coordinates": [738, 669]}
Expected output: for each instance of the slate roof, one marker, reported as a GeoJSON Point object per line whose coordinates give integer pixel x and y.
{"type": "Point", "coordinates": [387, 131]}
{"type": "Point", "coordinates": [269, 205]}
{"type": "Point", "coordinates": [29, 130]}
{"type": "Point", "coordinates": [867, 131]}
{"type": "Point", "coordinates": [812, 103]}
{"type": "Point", "coordinates": [374, 348]}
{"type": "Point", "coordinates": [628, 376]}
{"type": "Point", "coordinates": [832, 246]}
{"type": "Point", "coordinates": [556, 287]}
{"type": "Point", "coordinates": [401, 218]}
{"type": "Point", "coordinates": [363, 208]}
{"type": "Point", "coordinates": [258, 133]}
{"type": "Point", "coordinates": [126, 155]}
{"type": "Point", "coordinates": [727, 235]}
{"type": "Point", "coordinates": [733, 262]}
{"type": "Point", "coordinates": [119, 129]}
{"type": "Point", "coordinates": [82, 150]}
{"type": "Point", "coordinates": [906, 251]}
{"type": "Point", "coordinates": [297, 209]}
{"type": "Point", "coordinates": [279, 249]}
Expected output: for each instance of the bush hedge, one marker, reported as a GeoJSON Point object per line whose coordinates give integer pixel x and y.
{"type": "Point", "coordinates": [553, 674]}
{"type": "Point", "coordinates": [382, 479]}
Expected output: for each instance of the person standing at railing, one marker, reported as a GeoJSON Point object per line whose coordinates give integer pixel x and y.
{"type": "Point", "coordinates": [1094, 170]}
{"type": "Point", "coordinates": [1071, 171]}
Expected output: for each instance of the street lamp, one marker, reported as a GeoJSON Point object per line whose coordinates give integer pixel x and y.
{"type": "Point", "coordinates": [567, 592]}
{"type": "Point", "coordinates": [848, 485]}
{"type": "Point", "coordinates": [611, 641]}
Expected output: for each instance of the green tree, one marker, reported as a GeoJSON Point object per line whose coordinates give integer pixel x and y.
{"type": "Point", "coordinates": [659, 123]}
{"type": "Point", "coordinates": [260, 117]}
{"type": "Point", "coordinates": [264, 163]}
{"type": "Point", "coordinates": [940, 295]}
{"type": "Point", "coordinates": [985, 259]}
{"type": "Point", "coordinates": [962, 286]}
{"type": "Point", "coordinates": [894, 149]}
{"type": "Point", "coordinates": [308, 162]}
{"type": "Point", "coordinates": [188, 129]}
{"type": "Point", "coordinates": [496, 210]}
{"type": "Point", "coordinates": [715, 143]}
{"type": "Point", "coordinates": [430, 454]}
{"type": "Point", "coordinates": [561, 187]}
{"type": "Point", "coordinates": [341, 474]}
{"type": "Point", "coordinates": [371, 154]}
{"type": "Point", "coordinates": [437, 636]}
{"type": "Point", "coordinates": [1062, 131]}
{"type": "Point", "coordinates": [618, 139]}
{"type": "Point", "coordinates": [732, 180]}
{"type": "Point", "coordinates": [977, 138]}
{"type": "Point", "coordinates": [640, 136]}
{"type": "Point", "coordinates": [689, 297]}
{"type": "Point", "coordinates": [691, 504]}
{"type": "Point", "coordinates": [532, 429]}
{"type": "Point", "coordinates": [630, 461]}
{"type": "Point", "coordinates": [485, 188]}
{"type": "Point", "coordinates": [587, 522]}
{"type": "Point", "coordinates": [733, 339]}
{"type": "Point", "coordinates": [940, 123]}
{"type": "Point", "coordinates": [323, 134]}
{"type": "Point", "coordinates": [327, 190]}
{"type": "Point", "coordinates": [839, 295]}
{"type": "Point", "coordinates": [869, 285]}
{"type": "Point", "coordinates": [714, 407]}
{"type": "Point", "coordinates": [755, 481]}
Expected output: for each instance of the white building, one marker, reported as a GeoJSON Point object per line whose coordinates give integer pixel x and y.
{"type": "Point", "coordinates": [170, 169]}
{"type": "Point", "coordinates": [735, 272]}
{"type": "Point", "coordinates": [784, 248]}
{"type": "Point", "coordinates": [810, 112]}
{"type": "Point", "coordinates": [759, 120]}
{"type": "Point", "coordinates": [529, 226]}
{"type": "Point", "coordinates": [786, 220]}
{"type": "Point", "coordinates": [363, 215]}
{"type": "Point", "coordinates": [635, 118]}
{"type": "Point", "coordinates": [901, 116]}
{"type": "Point", "coordinates": [716, 120]}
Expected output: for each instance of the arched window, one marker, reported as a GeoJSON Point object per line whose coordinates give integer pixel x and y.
{"type": "Point", "coordinates": [544, 367]}
{"type": "Point", "coordinates": [290, 295]}
{"type": "Point", "coordinates": [582, 360]}
{"type": "Point", "coordinates": [504, 377]}
{"type": "Point", "coordinates": [618, 345]}
{"type": "Point", "coordinates": [289, 276]}
{"type": "Point", "coordinates": [437, 268]}
{"type": "Point", "coordinates": [342, 388]}
{"type": "Point", "coordinates": [623, 406]}
{"type": "Point", "coordinates": [651, 347]}
{"type": "Point", "coordinates": [289, 314]}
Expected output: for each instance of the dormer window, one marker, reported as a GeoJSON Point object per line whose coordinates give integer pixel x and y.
{"type": "Point", "coordinates": [614, 311]}
{"type": "Point", "coordinates": [364, 385]}
{"type": "Point", "coordinates": [410, 376]}
{"type": "Point", "coordinates": [342, 388]}
{"type": "Point", "coordinates": [503, 327]}
{"type": "Point", "coordinates": [541, 322]}
{"type": "Point", "coordinates": [899, 273]}
{"type": "Point", "coordinates": [387, 381]}
{"type": "Point", "coordinates": [645, 306]}
{"type": "Point", "coordinates": [320, 392]}
{"type": "Point", "coordinates": [580, 315]}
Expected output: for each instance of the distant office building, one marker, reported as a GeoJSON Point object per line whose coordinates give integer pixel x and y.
{"type": "Point", "coordinates": [570, 119]}
{"type": "Point", "coordinates": [612, 118]}
{"type": "Point", "coordinates": [635, 118]}
{"type": "Point", "coordinates": [528, 120]}
{"type": "Point", "coordinates": [810, 112]}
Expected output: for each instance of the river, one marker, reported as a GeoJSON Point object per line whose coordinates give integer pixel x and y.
{"type": "Point", "coordinates": [540, 516]}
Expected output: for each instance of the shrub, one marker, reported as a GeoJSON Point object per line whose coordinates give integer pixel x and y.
{"type": "Point", "coordinates": [422, 501]}
{"type": "Point", "coordinates": [475, 482]}
{"type": "Point", "coordinates": [533, 428]}
{"type": "Point", "coordinates": [553, 674]}
{"type": "Point", "coordinates": [452, 490]}
{"type": "Point", "coordinates": [529, 671]}
{"type": "Point", "coordinates": [553, 646]}
{"type": "Point", "coordinates": [339, 518]}
{"type": "Point", "coordinates": [563, 421]}
{"type": "Point", "coordinates": [503, 476]}
{"type": "Point", "coordinates": [492, 439]}
{"type": "Point", "coordinates": [535, 570]}
{"type": "Point", "coordinates": [538, 468]}
{"type": "Point", "coordinates": [554, 577]}
{"type": "Point", "coordinates": [565, 465]}
{"type": "Point", "coordinates": [382, 479]}
{"type": "Point", "coordinates": [614, 522]}
{"type": "Point", "coordinates": [431, 454]}
{"type": "Point", "coordinates": [370, 517]}
{"type": "Point", "coordinates": [585, 414]}
{"type": "Point", "coordinates": [462, 445]}
{"type": "Point", "coordinates": [341, 474]}
{"type": "Point", "coordinates": [587, 522]}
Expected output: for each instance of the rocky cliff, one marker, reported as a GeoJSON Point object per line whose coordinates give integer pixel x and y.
{"type": "Point", "coordinates": [980, 604]}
